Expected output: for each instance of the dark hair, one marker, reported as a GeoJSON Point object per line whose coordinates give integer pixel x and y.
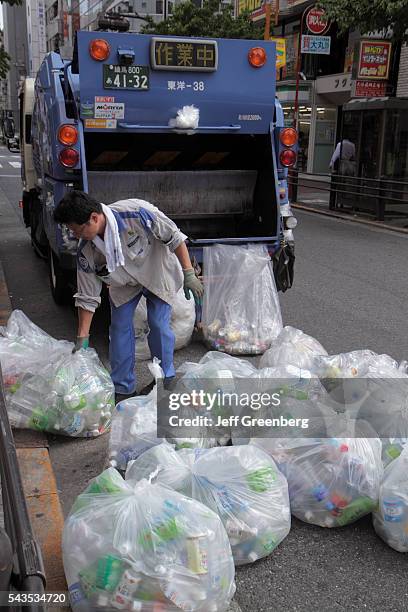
{"type": "Point", "coordinates": [76, 207]}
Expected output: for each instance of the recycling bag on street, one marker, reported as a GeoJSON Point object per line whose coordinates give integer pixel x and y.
{"type": "Point", "coordinates": [134, 427]}
{"type": "Point", "coordinates": [241, 311]}
{"type": "Point", "coordinates": [50, 389]}
{"type": "Point", "coordinates": [241, 484]}
{"type": "Point", "coordinates": [332, 481]}
{"type": "Point", "coordinates": [391, 517]}
{"type": "Point", "coordinates": [182, 324]}
{"type": "Point", "coordinates": [292, 347]}
{"type": "Point", "coordinates": [139, 546]}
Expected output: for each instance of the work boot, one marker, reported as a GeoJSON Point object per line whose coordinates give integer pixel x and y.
{"type": "Point", "coordinates": [121, 397]}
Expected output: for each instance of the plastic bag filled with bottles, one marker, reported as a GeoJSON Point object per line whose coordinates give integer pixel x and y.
{"type": "Point", "coordinates": [332, 481]}
{"type": "Point", "coordinates": [26, 348]}
{"type": "Point", "coordinates": [182, 324]}
{"type": "Point", "coordinates": [292, 347]}
{"type": "Point", "coordinates": [391, 517]}
{"type": "Point", "coordinates": [241, 484]}
{"type": "Point", "coordinates": [51, 389]}
{"type": "Point", "coordinates": [139, 546]}
{"type": "Point", "coordinates": [241, 311]}
{"type": "Point", "coordinates": [134, 428]}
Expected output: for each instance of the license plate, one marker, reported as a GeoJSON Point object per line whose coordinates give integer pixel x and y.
{"type": "Point", "coordinates": [126, 77]}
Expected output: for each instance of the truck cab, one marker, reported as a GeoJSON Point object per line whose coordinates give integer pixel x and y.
{"type": "Point", "coordinates": [191, 125]}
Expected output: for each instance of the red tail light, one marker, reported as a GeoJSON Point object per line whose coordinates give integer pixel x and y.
{"type": "Point", "coordinates": [69, 158]}
{"type": "Point", "coordinates": [288, 137]}
{"type": "Point", "coordinates": [287, 158]}
{"type": "Point", "coordinates": [67, 134]}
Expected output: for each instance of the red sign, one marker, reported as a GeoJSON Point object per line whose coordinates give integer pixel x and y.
{"type": "Point", "coordinates": [317, 21]}
{"type": "Point", "coordinates": [374, 61]}
{"type": "Point", "coordinates": [370, 89]}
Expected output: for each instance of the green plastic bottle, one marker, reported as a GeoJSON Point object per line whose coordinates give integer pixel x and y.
{"type": "Point", "coordinates": [355, 510]}
{"type": "Point", "coordinates": [104, 483]}
{"type": "Point", "coordinates": [38, 420]}
{"type": "Point", "coordinates": [109, 571]}
{"type": "Point", "coordinates": [261, 480]}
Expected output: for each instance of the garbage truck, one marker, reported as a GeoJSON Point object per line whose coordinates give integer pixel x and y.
{"type": "Point", "coordinates": [111, 122]}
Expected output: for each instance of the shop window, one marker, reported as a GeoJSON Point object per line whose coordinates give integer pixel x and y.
{"type": "Point", "coordinates": [395, 159]}
{"type": "Point", "coordinates": [324, 138]}
{"type": "Point", "coordinates": [159, 7]}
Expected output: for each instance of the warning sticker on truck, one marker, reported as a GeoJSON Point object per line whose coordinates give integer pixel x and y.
{"type": "Point", "coordinates": [110, 110]}
{"type": "Point", "coordinates": [101, 123]}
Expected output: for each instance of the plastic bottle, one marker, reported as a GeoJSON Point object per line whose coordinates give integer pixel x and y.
{"type": "Point", "coordinates": [394, 510]}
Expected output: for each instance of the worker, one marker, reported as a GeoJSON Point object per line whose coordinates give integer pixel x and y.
{"type": "Point", "coordinates": [136, 250]}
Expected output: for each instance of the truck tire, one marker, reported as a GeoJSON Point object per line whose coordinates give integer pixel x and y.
{"type": "Point", "coordinates": [39, 240]}
{"type": "Point", "coordinates": [59, 281]}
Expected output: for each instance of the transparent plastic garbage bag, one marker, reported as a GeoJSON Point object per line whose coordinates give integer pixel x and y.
{"type": "Point", "coordinates": [241, 484]}
{"type": "Point", "coordinates": [50, 389]}
{"type": "Point", "coordinates": [292, 347]}
{"type": "Point", "coordinates": [143, 547]}
{"type": "Point", "coordinates": [182, 323]}
{"type": "Point", "coordinates": [332, 481]}
{"type": "Point", "coordinates": [391, 517]}
{"type": "Point", "coordinates": [241, 311]}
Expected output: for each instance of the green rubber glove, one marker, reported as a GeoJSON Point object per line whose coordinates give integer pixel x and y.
{"type": "Point", "coordinates": [193, 285]}
{"type": "Point", "coordinates": [81, 343]}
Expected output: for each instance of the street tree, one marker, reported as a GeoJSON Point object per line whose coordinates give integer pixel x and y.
{"type": "Point", "coordinates": [4, 62]}
{"type": "Point", "coordinates": [370, 16]}
{"type": "Point", "coordinates": [210, 20]}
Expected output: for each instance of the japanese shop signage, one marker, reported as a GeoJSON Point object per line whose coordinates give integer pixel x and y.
{"type": "Point", "coordinates": [280, 51]}
{"type": "Point", "coordinates": [374, 59]}
{"type": "Point", "coordinates": [370, 89]}
{"type": "Point", "coordinates": [317, 21]}
{"type": "Point", "coordinates": [316, 44]}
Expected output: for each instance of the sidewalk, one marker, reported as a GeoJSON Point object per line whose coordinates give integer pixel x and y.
{"type": "Point", "coordinates": [40, 487]}
{"type": "Point", "coordinates": [315, 198]}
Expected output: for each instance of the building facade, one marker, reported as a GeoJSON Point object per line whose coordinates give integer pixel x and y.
{"type": "Point", "coordinates": [16, 45]}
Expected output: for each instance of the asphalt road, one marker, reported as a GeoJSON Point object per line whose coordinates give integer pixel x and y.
{"type": "Point", "coordinates": [350, 292]}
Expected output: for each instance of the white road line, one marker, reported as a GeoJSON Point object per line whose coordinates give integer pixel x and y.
{"type": "Point", "coordinates": [16, 176]}
{"type": "Point", "coordinates": [15, 164]}
{"type": "Point", "coordinates": [1, 166]}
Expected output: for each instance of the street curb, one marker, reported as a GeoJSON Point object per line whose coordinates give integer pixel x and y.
{"type": "Point", "coordinates": [40, 487]}
{"type": "Point", "coordinates": [344, 217]}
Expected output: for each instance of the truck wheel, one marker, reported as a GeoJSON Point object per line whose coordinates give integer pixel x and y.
{"type": "Point", "coordinates": [39, 240]}
{"type": "Point", "coordinates": [59, 281]}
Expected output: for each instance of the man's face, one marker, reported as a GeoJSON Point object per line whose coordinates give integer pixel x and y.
{"type": "Point", "coordinates": [88, 230]}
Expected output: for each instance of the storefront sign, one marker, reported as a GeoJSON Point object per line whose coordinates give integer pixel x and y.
{"type": "Point", "coordinates": [316, 44]}
{"type": "Point", "coordinates": [292, 44]}
{"type": "Point", "coordinates": [348, 59]}
{"type": "Point", "coordinates": [317, 21]}
{"type": "Point", "coordinates": [333, 83]}
{"type": "Point", "coordinates": [280, 51]}
{"type": "Point", "coordinates": [370, 89]}
{"type": "Point", "coordinates": [374, 60]}
{"type": "Point", "coordinates": [257, 8]}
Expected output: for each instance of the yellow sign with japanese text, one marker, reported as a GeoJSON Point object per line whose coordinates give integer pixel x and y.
{"type": "Point", "coordinates": [280, 51]}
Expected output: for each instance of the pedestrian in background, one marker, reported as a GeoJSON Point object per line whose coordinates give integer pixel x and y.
{"type": "Point", "coordinates": [343, 160]}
